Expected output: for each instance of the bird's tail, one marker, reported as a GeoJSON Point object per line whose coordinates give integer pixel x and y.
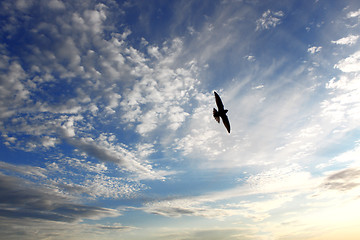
{"type": "Point", "coordinates": [216, 115]}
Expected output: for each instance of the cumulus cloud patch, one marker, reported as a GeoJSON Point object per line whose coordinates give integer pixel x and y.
{"type": "Point", "coordinates": [269, 19]}
{"type": "Point", "coordinates": [314, 49]}
{"type": "Point", "coordinates": [157, 99]}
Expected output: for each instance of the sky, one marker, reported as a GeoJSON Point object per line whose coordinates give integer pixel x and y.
{"type": "Point", "coordinates": [107, 129]}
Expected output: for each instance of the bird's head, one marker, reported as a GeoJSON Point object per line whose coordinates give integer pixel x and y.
{"type": "Point", "coordinates": [225, 110]}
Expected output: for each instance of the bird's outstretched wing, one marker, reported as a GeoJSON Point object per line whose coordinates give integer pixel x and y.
{"type": "Point", "coordinates": [226, 122]}
{"type": "Point", "coordinates": [218, 102]}
{"type": "Point", "coordinates": [216, 115]}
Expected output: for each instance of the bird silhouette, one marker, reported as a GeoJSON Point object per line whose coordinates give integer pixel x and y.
{"type": "Point", "coordinates": [221, 112]}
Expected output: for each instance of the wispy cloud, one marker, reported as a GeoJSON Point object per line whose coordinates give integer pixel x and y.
{"type": "Point", "coordinates": [280, 185]}
{"type": "Point", "coordinates": [107, 151]}
{"type": "Point", "coordinates": [20, 201]}
{"type": "Point", "coordinates": [349, 40]}
{"type": "Point", "coordinates": [24, 170]}
{"type": "Point", "coordinates": [343, 180]}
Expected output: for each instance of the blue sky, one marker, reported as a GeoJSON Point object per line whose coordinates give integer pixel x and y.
{"type": "Point", "coordinates": [107, 129]}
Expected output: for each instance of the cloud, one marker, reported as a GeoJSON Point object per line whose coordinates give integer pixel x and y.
{"type": "Point", "coordinates": [349, 64]}
{"type": "Point", "coordinates": [156, 87]}
{"type": "Point", "coordinates": [349, 40]}
{"type": "Point", "coordinates": [157, 99]}
{"type": "Point", "coordinates": [71, 53]}
{"type": "Point", "coordinates": [100, 186]}
{"type": "Point", "coordinates": [187, 207]}
{"type": "Point", "coordinates": [277, 186]}
{"type": "Point", "coordinates": [13, 91]}
{"type": "Point", "coordinates": [227, 233]}
{"type": "Point", "coordinates": [12, 228]}
{"type": "Point", "coordinates": [250, 58]}
{"type": "Point", "coordinates": [281, 179]}
{"type": "Point", "coordinates": [56, 4]}
{"type": "Point", "coordinates": [23, 201]}
{"type": "Point", "coordinates": [252, 111]}
{"type": "Point", "coordinates": [269, 19]}
{"type": "Point", "coordinates": [109, 152]}
{"type": "Point", "coordinates": [23, 169]}
{"type": "Point", "coordinates": [116, 227]}
{"type": "Point", "coordinates": [343, 105]}
{"type": "Point", "coordinates": [80, 177]}
{"type": "Point", "coordinates": [84, 179]}
{"type": "Point", "coordinates": [353, 14]}
{"type": "Point", "coordinates": [201, 140]}
{"type": "Point", "coordinates": [314, 49]}
{"type": "Point", "coordinates": [343, 180]}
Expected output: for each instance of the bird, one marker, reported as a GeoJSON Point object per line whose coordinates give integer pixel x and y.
{"type": "Point", "coordinates": [221, 112]}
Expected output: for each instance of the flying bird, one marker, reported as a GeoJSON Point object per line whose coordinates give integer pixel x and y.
{"type": "Point", "coordinates": [221, 112]}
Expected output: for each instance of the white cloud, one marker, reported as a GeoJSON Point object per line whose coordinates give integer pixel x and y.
{"type": "Point", "coordinates": [314, 49]}
{"type": "Point", "coordinates": [269, 19]}
{"type": "Point", "coordinates": [24, 170]}
{"type": "Point", "coordinates": [258, 87]}
{"type": "Point", "coordinates": [201, 139]}
{"type": "Point", "coordinates": [157, 99]}
{"type": "Point", "coordinates": [260, 124]}
{"type": "Point", "coordinates": [13, 91]}
{"type": "Point", "coordinates": [343, 107]}
{"type": "Point", "coordinates": [109, 152]}
{"type": "Point", "coordinates": [260, 210]}
{"type": "Point", "coordinates": [349, 40]}
{"type": "Point", "coordinates": [281, 179]}
{"type": "Point", "coordinates": [91, 72]}
{"type": "Point", "coordinates": [349, 156]}
{"type": "Point", "coordinates": [250, 58]}
{"type": "Point", "coordinates": [277, 186]}
{"type": "Point", "coordinates": [154, 90]}
{"type": "Point", "coordinates": [145, 149]}
{"type": "Point", "coordinates": [48, 142]}
{"type": "Point", "coordinates": [82, 178]}
{"type": "Point", "coordinates": [102, 186]}
{"type": "Point", "coordinates": [264, 196]}
{"type": "Point", "coordinates": [349, 64]}
{"type": "Point", "coordinates": [353, 14]}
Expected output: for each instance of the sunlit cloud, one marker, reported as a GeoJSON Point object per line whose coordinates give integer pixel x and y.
{"type": "Point", "coordinates": [107, 129]}
{"type": "Point", "coordinates": [353, 14]}
{"type": "Point", "coordinates": [350, 64]}
{"type": "Point", "coordinates": [349, 40]}
{"type": "Point", "coordinates": [314, 49]}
